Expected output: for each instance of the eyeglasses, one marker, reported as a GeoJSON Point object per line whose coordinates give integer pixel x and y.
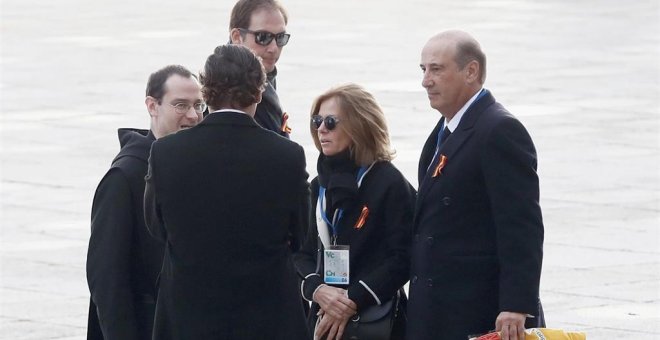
{"type": "Point", "coordinates": [330, 122]}
{"type": "Point", "coordinates": [183, 108]}
{"type": "Point", "coordinates": [264, 38]}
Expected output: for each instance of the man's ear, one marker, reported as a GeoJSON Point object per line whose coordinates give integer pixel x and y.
{"type": "Point", "coordinates": [472, 71]}
{"type": "Point", "coordinates": [235, 36]}
{"type": "Point", "coordinates": [151, 104]}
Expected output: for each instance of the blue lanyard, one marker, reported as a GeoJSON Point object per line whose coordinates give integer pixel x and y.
{"type": "Point", "coordinates": [335, 218]}
{"type": "Point", "coordinates": [339, 212]}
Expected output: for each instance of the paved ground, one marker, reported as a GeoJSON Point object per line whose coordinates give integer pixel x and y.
{"type": "Point", "coordinates": [584, 77]}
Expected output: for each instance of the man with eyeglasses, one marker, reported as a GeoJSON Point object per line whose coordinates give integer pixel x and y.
{"type": "Point", "coordinates": [260, 25]}
{"type": "Point", "coordinates": [123, 260]}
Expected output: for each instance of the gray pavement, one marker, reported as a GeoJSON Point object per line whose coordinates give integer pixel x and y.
{"type": "Point", "coordinates": [583, 76]}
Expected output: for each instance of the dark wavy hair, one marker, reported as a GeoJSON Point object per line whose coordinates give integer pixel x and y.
{"type": "Point", "coordinates": [233, 77]}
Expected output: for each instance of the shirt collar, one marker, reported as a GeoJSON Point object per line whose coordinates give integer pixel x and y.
{"type": "Point", "coordinates": [227, 110]}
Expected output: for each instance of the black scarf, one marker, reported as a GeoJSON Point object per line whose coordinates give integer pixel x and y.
{"type": "Point", "coordinates": [338, 175]}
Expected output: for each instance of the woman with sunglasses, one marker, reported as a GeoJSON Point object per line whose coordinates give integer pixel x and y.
{"type": "Point", "coordinates": [362, 212]}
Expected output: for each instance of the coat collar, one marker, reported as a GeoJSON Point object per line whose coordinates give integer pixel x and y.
{"type": "Point", "coordinates": [270, 95]}
{"type": "Point", "coordinates": [427, 152]}
{"type": "Point", "coordinates": [134, 143]}
{"type": "Point", "coordinates": [449, 147]}
{"type": "Point", "coordinates": [464, 129]}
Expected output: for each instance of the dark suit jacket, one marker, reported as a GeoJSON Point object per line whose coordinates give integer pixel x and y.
{"type": "Point", "coordinates": [478, 231]}
{"type": "Point", "coordinates": [123, 260]}
{"type": "Point", "coordinates": [229, 198]}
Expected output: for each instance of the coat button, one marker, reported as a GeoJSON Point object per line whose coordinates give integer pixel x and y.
{"type": "Point", "coordinates": [430, 282]}
{"type": "Point", "coordinates": [414, 279]}
{"type": "Point", "coordinates": [429, 240]}
{"type": "Point", "coordinates": [446, 200]}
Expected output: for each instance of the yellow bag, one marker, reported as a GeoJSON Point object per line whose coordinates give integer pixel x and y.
{"type": "Point", "coordinates": [540, 334]}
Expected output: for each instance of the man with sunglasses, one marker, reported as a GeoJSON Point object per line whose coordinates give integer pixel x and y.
{"type": "Point", "coordinates": [260, 25]}
{"type": "Point", "coordinates": [123, 260]}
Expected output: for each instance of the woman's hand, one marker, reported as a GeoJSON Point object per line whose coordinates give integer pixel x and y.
{"type": "Point", "coordinates": [334, 302]}
{"type": "Point", "coordinates": [330, 328]}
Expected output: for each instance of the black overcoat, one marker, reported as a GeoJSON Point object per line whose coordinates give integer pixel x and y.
{"type": "Point", "coordinates": [123, 260]}
{"type": "Point", "coordinates": [230, 200]}
{"type": "Point", "coordinates": [379, 245]}
{"type": "Point", "coordinates": [478, 231]}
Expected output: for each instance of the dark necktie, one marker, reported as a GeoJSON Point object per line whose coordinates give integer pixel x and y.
{"type": "Point", "coordinates": [442, 137]}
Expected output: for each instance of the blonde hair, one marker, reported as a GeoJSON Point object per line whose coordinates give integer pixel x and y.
{"type": "Point", "coordinates": [362, 120]}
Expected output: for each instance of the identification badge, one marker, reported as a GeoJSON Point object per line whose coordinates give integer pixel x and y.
{"type": "Point", "coordinates": [335, 261]}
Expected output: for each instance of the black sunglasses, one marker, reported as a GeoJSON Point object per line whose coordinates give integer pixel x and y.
{"type": "Point", "coordinates": [330, 122]}
{"type": "Point", "coordinates": [264, 38]}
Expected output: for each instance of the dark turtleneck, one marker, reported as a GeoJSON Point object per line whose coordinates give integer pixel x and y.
{"type": "Point", "coordinates": [338, 175]}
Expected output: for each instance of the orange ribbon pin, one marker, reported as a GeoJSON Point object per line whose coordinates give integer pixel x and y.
{"type": "Point", "coordinates": [285, 127]}
{"type": "Point", "coordinates": [441, 164]}
{"type": "Point", "coordinates": [363, 218]}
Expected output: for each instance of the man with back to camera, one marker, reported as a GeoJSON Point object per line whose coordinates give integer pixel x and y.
{"type": "Point", "coordinates": [260, 25]}
{"type": "Point", "coordinates": [230, 213]}
{"type": "Point", "coordinates": [478, 232]}
{"type": "Point", "coordinates": [123, 260]}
